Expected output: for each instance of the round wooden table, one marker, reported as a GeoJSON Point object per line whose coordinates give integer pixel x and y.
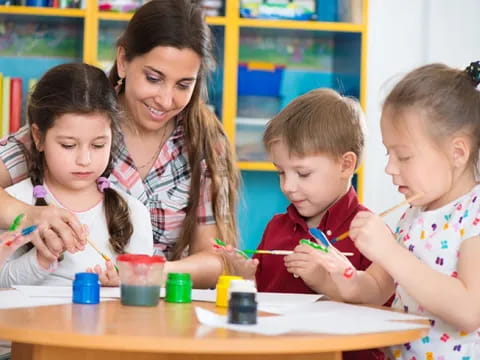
{"type": "Point", "coordinates": [110, 331]}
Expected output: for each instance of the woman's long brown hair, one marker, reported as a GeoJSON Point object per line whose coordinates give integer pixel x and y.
{"type": "Point", "coordinates": [181, 24]}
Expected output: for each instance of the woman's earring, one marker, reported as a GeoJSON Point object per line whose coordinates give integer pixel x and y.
{"type": "Point", "coordinates": [119, 85]}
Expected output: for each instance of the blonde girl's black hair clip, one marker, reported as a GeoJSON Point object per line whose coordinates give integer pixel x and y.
{"type": "Point", "coordinates": [473, 70]}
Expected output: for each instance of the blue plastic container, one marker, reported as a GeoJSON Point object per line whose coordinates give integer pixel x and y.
{"type": "Point", "coordinates": [86, 288]}
{"type": "Point", "coordinates": [259, 82]}
{"type": "Point", "coordinates": [40, 3]}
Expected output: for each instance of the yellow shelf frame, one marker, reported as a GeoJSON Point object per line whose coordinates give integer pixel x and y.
{"type": "Point", "coordinates": [302, 25]}
{"type": "Point", "coordinates": [232, 24]}
{"type": "Point", "coordinates": [41, 11]}
{"type": "Point", "coordinates": [256, 165]}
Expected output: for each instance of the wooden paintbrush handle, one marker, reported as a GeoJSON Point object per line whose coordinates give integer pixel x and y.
{"type": "Point", "coordinates": [382, 214]}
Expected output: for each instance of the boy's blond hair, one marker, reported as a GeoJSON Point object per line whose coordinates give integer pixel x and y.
{"type": "Point", "coordinates": [319, 122]}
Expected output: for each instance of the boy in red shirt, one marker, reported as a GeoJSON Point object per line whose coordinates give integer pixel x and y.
{"type": "Point", "coordinates": [316, 144]}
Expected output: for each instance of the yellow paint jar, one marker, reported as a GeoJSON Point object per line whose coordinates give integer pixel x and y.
{"type": "Point", "coordinates": [222, 289]}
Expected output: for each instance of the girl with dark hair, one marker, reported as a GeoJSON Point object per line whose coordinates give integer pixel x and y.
{"type": "Point", "coordinates": [74, 124]}
{"type": "Point", "coordinates": [173, 154]}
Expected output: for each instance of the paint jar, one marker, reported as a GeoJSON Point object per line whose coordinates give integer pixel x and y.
{"type": "Point", "coordinates": [178, 288]}
{"type": "Point", "coordinates": [241, 285]}
{"type": "Point", "coordinates": [140, 279]}
{"type": "Point", "coordinates": [242, 306]}
{"type": "Point", "coordinates": [222, 289]}
{"type": "Point", "coordinates": [86, 288]}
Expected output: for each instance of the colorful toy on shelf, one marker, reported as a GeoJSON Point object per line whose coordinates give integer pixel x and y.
{"type": "Point", "coordinates": [268, 9]}
{"type": "Point", "coordinates": [212, 7]}
{"type": "Point", "coordinates": [119, 5]}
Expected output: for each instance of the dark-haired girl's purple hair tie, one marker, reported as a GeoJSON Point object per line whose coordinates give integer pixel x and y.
{"type": "Point", "coordinates": [39, 192]}
{"type": "Point", "coordinates": [103, 183]}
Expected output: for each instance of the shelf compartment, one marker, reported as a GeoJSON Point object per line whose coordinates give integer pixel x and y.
{"type": "Point", "coordinates": [278, 65]}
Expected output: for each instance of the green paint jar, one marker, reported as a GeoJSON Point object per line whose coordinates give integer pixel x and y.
{"type": "Point", "coordinates": [178, 288]}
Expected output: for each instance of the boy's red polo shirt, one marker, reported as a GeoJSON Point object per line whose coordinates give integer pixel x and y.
{"type": "Point", "coordinates": [284, 232]}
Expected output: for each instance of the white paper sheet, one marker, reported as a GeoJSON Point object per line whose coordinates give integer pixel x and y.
{"type": "Point", "coordinates": [10, 299]}
{"type": "Point", "coordinates": [271, 300]}
{"type": "Point", "coordinates": [326, 323]}
{"type": "Point", "coordinates": [344, 309]}
{"type": "Point", "coordinates": [63, 291]}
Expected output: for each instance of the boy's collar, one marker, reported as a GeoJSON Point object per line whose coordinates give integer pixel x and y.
{"type": "Point", "coordinates": [341, 210]}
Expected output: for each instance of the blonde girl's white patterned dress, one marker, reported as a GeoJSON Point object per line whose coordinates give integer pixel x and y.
{"type": "Point", "coordinates": [435, 238]}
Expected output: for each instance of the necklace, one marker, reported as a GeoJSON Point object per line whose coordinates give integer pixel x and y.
{"type": "Point", "coordinates": [156, 153]}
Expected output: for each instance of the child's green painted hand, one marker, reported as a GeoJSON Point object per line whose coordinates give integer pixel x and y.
{"type": "Point", "coordinates": [313, 245]}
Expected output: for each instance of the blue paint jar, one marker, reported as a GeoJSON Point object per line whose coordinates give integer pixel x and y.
{"type": "Point", "coordinates": [86, 288]}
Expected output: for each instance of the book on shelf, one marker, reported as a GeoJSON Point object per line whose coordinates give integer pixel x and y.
{"type": "Point", "coordinates": [6, 106]}
{"type": "Point", "coordinates": [1, 105]}
{"type": "Point", "coordinates": [15, 104]}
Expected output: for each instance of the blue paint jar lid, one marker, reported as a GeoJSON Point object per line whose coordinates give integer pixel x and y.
{"type": "Point", "coordinates": [86, 288]}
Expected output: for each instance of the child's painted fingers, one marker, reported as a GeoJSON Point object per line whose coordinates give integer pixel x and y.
{"type": "Point", "coordinates": [11, 243]}
{"type": "Point", "coordinates": [19, 241]}
{"type": "Point", "coordinates": [304, 249]}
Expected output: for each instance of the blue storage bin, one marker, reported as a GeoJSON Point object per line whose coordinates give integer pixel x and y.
{"type": "Point", "coordinates": [259, 82]}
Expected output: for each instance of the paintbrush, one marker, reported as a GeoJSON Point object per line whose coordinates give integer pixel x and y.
{"type": "Point", "coordinates": [271, 252]}
{"type": "Point", "coordinates": [382, 214]}
{"type": "Point", "coordinates": [105, 257]}
{"type": "Point", "coordinates": [222, 244]}
{"type": "Point", "coordinates": [280, 252]}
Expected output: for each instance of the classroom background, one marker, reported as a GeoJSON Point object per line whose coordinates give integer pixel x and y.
{"type": "Point", "coordinates": [268, 52]}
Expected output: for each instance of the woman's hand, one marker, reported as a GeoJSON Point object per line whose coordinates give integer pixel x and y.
{"type": "Point", "coordinates": [58, 231]}
{"type": "Point", "coordinates": [107, 277]}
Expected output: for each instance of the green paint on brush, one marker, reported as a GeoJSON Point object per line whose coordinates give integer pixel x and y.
{"type": "Point", "coordinates": [221, 243]}
{"type": "Point", "coordinates": [314, 245]}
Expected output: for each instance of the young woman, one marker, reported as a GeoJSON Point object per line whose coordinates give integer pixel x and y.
{"type": "Point", "coordinates": [173, 155]}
